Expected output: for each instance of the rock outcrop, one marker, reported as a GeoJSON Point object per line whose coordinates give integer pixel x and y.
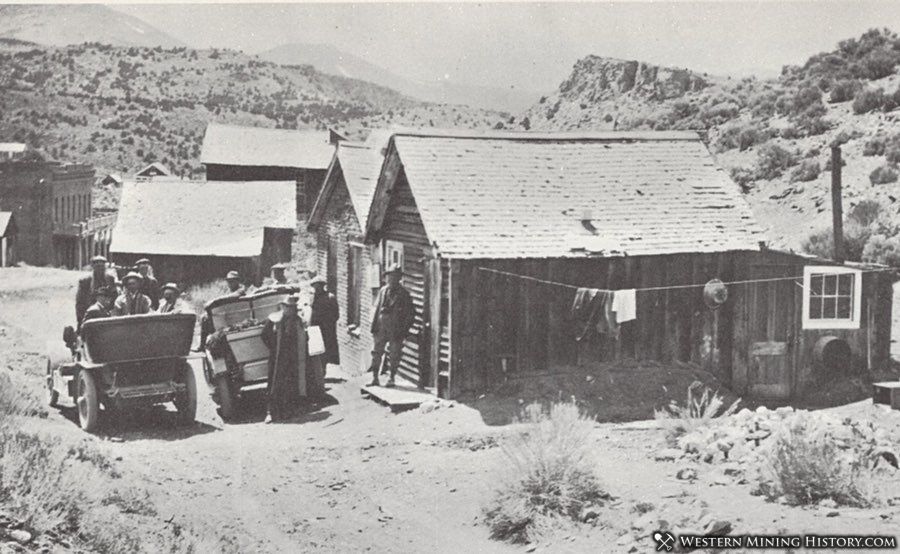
{"type": "Point", "coordinates": [596, 78]}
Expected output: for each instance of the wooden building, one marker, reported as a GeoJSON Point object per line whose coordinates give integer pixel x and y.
{"type": "Point", "coordinates": [152, 171]}
{"type": "Point", "coordinates": [351, 267]}
{"type": "Point", "coordinates": [52, 205]}
{"type": "Point", "coordinates": [196, 232]}
{"type": "Point", "coordinates": [239, 153]}
{"type": "Point", "coordinates": [495, 231]}
{"type": "Point", "coordinates": [8, 232]}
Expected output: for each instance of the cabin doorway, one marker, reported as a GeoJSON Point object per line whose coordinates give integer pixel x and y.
{"type": "Point", "coordinates": [772, 323]}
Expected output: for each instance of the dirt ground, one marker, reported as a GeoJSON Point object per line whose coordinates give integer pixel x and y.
{"type": "Point", "coordinates": [350, 476]}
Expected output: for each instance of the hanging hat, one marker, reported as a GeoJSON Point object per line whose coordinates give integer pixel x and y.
{"type": "Point", "coordinates": [394, 268]}
{"type": "Point", "coordinates": [715, 293]}
{"type": "Point", "coordinates": [318, 280]}
{"type": "Point", "coordinates": [132, 275]}
{"type": "Point", "coordinates": [109, 291]}
{"type": "Point", "coordinates": [142, 261]}
{"type": "Point", "coordinates": [279, 266]}
{"type": "Point", "coordinates": [171, 286]}
{"type": "Point", "coordinates": [98, 260]}
{"type": "Point", "coordinates": [232, 275]}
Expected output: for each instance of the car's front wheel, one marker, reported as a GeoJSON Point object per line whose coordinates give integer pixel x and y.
{"type": "Point", "coordinates": [88, 401]}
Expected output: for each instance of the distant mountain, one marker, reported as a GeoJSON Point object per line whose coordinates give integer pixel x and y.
{"type": "Point", "coordinates": [772, 135]}
{"type": "Point", "coordinates": [64, 24]}
{"type": "Point", "coordinates": [120, 108]}
{"type": "Point", "coordinates": [328, 59]}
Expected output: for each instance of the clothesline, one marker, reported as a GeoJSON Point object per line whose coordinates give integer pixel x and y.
{"type": "Point", "coordinates": [667, 287]}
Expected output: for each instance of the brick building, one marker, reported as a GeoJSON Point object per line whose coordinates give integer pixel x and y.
{"type": "Point", "coordinates": [351, 268]}
{"type": "Point", "coordinates": [52, 208]}
{"type": "Point", "coordinates": [237, 153]}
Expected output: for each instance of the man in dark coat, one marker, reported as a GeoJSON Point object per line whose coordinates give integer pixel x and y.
{"type": "Point", "coordinates": [285, 337]}
{"type": "Point", "coordinates": [106, 296]}
{"type": "Point", "coordinates": [89, 286]}
{"type": "Point", "coordinates": [392, 319]}
{"type": "Point", "coordinates": [149, 285]}
{"type": "Point", "coordinates": [325, 314]}
{"type": "Point", "coordinates": [131, 301]}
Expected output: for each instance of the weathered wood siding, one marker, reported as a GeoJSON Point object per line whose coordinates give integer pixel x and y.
{"type": "Point", "coordinates": [341, 226]}
{"type": "Point", "coordinates": [528, 324]}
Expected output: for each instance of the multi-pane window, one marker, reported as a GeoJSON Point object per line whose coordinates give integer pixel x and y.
{"type": "Point", "coordinates": [831, 297]}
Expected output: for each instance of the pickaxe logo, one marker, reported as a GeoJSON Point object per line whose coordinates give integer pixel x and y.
{"type": "Point", "coordinates": [665, 541]}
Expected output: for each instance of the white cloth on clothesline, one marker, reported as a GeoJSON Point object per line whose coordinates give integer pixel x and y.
{"type": "Point", "coordinates": [624, 304]}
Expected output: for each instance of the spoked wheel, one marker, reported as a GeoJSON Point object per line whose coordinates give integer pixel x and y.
{"type": "Point", "coordinates": [53, 395]}
{"type": "Point", "coordinates": [87, 401]}
{"type": "Point", "coordinates": [186, 403]}
{"type": "Point", "coordinates": [224, 397]}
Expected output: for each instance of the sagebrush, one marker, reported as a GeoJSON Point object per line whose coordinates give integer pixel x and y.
{"type": "Point", "coordinates": [549, 477]}
{"type": "Point", "coordinates": [701, 407]}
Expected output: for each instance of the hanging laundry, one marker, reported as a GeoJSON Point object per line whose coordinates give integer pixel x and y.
{"type": "Point", "coordinates": [625, 305]}
{"type": "Point", "coordinates": [592, 309]}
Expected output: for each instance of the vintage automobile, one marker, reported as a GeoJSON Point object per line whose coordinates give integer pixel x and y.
{"type": "Point", "coordinates": [237, 358]}
{"type": "Point", "coordinates": [122, 362]}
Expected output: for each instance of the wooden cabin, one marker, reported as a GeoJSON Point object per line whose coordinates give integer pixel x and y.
{"type": "Point", "coordinates": [152, 171]}
{"type": "Point", "coordinates": [351, 267]}
{"type": "Point", "coordinates": [252, 154]}
{"type": "Point", "coordinates": [496, 231]}
{"type": "Point", "coordinates": [196, 232]}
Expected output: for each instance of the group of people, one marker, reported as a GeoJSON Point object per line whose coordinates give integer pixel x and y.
{"type": "Point", "coordinates": [99, 296]}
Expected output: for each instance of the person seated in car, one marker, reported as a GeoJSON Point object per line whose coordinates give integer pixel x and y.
{"type": "Point", "coordinates": [106, 297]}
{"type": "Point", "coordinates": [171, 302]}
{"type": "Point", "coordinates": [131, 301]}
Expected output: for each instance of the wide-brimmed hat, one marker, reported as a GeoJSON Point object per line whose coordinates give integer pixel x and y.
{"type": "Point", "coordinates": [291, 300]}
{"type": "Point", "coordinates": [232, 275]}
{"type": "Point", "coordinates": [109, 291]}
{"type": "Point", "coordinates": [279, 266]}
{"type": "Point", "coordinates": [394, 268]}
{"type": "Point", "coordinates": [171, 286]}
{"type": "Point", "coordinates": [99, 260]}
{"type": "Point", "coordinates": [318, 280]}
{"type": "Point", "coordinates": [715, 293]}
{"type": "Point", "coordinates": [132, 275]}
{"type": "Point", "coordinates": [142, 261]}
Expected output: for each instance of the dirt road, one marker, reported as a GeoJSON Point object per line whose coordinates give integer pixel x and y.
{"type": "Point", "coordinates": [349, 476]}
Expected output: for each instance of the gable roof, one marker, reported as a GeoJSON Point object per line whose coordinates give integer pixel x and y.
{"type": "Point", "coordinates": [7, 224]}
{"type": "Point", "coordinates": [259, 146]}
{"type": "Point", "coordinates": [201, 218]}
{"type": "Point", "coordinates": [523, 195]}
{"type": "Point", "coordinates": [359, 165]}
{"type": "Point", "coordinates": [13, 147]}
{"type": "Point", "coordinates": [149, 168]}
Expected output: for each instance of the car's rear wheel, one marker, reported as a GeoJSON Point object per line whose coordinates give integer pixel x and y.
{"type": "Point", "coordinates": [225, 398]}
{"type": "Point", "coordinates": [53, 395]}
{"type": "Point", "coordinates": [88, 402]}
{"type": "Point", "coordinates": [186, 403]}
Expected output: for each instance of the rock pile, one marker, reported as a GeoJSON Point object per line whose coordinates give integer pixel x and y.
{"type": "Point", "coordinates": [15, 538]}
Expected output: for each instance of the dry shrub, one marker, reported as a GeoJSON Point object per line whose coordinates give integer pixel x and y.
{"type": "Point", "coordinates": [16, 399]}
{"type": "Point", "coordinates": [200, 295]}
{"type": "Point", "coordinates": [806, 466]}
{"type": "Point", "coordinates": [549, 477]}
{"type": "Point", "coordinates": [702, 406]}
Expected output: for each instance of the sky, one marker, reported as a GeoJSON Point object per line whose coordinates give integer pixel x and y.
{"type": "Point", "coordinates": [530, 45]}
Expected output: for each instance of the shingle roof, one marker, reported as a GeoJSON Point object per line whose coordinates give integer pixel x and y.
{"type": "Point", "coordinates": [5, 219]}
{"type": "Point", "coordinates": [201, 218]}
{"type": "Point", "coordinates": [258, 146]}
{"type": "Point", "coordinates": [515, 195]}
{"type": "Point", "coordinates": [360, 166]}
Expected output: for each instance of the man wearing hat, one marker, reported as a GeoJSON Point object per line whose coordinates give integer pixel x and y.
{"type": "Point", "coordinates": [325, 314]}
{"type": "Point", "coordinates": [391, 321]}
{"type": "Point", "coordinates": [89, 285]}
{"type": "Point", "coordinates": [285, 336]}
{"type": "Point", "coordinates": [235, 288]}
{"type": "Point", "coordinates": [131, 301]}
{"type": "Point", "coordinates": [277, 278]}
{"type": "Point", "coordinates": [149, 284]}
{"type": "Point", "coordinates": [171, 303]}
{"type": "Point", "coordinates": [106, 296]}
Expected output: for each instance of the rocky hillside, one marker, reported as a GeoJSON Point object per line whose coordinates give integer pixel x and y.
{"type": "Point", "coordinates": [773, 136]}
{"type": "Point", "coordinates": [122, 107]}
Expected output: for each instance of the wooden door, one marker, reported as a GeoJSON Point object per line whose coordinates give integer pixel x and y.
{"type": "Point", "coordinates": [772, 324]}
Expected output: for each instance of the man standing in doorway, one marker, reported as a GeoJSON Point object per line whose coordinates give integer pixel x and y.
{"type": "Point", "coordinates": [149, 284]}
{"type": "Point", "coordinates": [325, 315]}
{"type": "Point", "coordinates": [391, 321]}
{"type": "Point", "coordinates": [90, 285]}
